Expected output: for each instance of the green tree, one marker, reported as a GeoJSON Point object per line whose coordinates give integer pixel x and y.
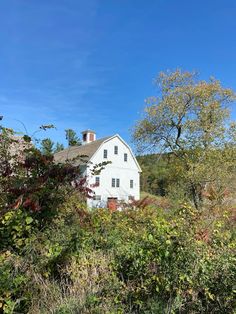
{"type": "Point", "coordinates": [191, 119]}
{"type": "Point", "coordinates": [47, 147]}
{"type": "Point", "coordinates": [59, 147]}
{"type": "Point", "coordinates": [157, 173]}
{"type": "Point", "coordinates": [72, 138]}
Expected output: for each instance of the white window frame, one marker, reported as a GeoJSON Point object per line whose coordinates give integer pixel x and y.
{"type": "Point", "coordinates": [117, 182]}
{"type": "Point", "coordinates": [97, 181]}
{"type": "Point", "coordinates": [97, 197]}
{"type": "Point", "coordinates": [105, 153]}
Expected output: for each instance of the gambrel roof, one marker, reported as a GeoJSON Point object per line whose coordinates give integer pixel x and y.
{"type": "Point", "coordinates": [87, 150]}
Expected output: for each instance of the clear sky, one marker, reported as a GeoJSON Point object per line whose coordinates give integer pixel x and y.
{"type": "Point", "coordinates": [90, 64]}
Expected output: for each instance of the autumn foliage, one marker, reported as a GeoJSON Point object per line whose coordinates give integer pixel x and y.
{"type": "Point", "coordinates": [154, 256]}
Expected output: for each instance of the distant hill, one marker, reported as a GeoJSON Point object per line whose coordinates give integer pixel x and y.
{"type": "Point", "coordinates": [156, 173]}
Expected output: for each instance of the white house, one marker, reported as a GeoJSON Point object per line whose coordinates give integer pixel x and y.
{"type": "Point", "coordinates": [119, 181]}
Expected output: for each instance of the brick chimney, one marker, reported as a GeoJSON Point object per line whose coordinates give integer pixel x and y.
{"type": "Point", "coordinates": [88, 136]}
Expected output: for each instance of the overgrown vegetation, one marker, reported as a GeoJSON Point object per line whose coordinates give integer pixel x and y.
{"type": "Point", "coordinates": [159, 255]}
{"type": "Point", "coordinates": [147, 260]}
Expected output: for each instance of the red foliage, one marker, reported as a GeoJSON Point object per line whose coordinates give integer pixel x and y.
{"type": "Point", "coordinates": [31, 205]}
{"type": "Point", "coordinates": [149, 201]}
{"type": "Point", "coordinates": [37, 183]}
{"type": "Point", "coordinates": [143, 203]}
{"type": "Point", "coordinates": [203, 235]}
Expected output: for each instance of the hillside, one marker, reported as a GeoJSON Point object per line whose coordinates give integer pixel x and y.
{"type": "Point", "coordinates": [157, 174]}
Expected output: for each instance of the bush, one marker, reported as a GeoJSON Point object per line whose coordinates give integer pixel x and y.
{"type": "Point", "coordinates": [135, 261]}
{"type": "Point", "coordinates": [151, 258]}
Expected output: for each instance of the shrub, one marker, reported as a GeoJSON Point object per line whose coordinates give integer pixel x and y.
{"type": "Point", "coordinates": [58, 257]}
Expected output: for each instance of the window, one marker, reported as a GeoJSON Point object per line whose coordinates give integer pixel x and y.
{"type": "Point", "coordinates": [131, 184]}
{"type": "Point", "coordinates": [105, 153]}
{"type": "Point", "coordinates": [116, 150]}
{"type": "Point", "coordinates": [97, 181]}
{"type": "Point", "coordinates": [125, 157]}
{"type": "Point", "coordinates": [97, 198]}
{"type": "Point", "coordinates": [117, 183]}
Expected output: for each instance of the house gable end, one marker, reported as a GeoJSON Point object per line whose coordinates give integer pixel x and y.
{"type": "Point", "coordinates": [101, 147]}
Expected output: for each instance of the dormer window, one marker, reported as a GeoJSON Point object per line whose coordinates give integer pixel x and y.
{"type": "Point", "coordinates": [125, 157]}
{"type": "Point", "coordinates": [105, 153]}
{"type": "Point", "coordinates": [116, 150]}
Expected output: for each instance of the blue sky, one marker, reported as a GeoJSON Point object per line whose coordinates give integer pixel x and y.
{"type": "Point", "coordinates": [90, 64]}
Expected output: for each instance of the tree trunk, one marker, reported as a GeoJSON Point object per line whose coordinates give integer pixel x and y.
{"type": "Point", "coordinates": [195, 195]}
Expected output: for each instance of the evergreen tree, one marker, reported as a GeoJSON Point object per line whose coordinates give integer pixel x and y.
{"type": "Point", "coordinates": [59, 147]}
{"type": "Point", "coordinates": [47, 147]}
{"type": "Point", "coordinates": [72, 138]}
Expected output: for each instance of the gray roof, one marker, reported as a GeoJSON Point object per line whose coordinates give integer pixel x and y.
{"type": "Point", "coordinates": [87, 131]}
{"type": "Point", "coordinates": [72, 152]}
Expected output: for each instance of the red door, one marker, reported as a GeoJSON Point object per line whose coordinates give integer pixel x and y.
{"type": "Point", "coordinates": [112, 204]}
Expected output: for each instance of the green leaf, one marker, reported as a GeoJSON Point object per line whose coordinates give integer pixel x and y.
{"type": "Point", "coordinates": [150, 237]}
{"type": "Point", "coordinates": [28, 220]}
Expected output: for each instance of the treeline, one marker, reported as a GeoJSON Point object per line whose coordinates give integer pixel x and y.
{"type": "Point", "coordinates": [48, 147]}
{"type": "Point", "coordinates": [162, 176]}
{"type": "Point", "coordinates": [157, 173]}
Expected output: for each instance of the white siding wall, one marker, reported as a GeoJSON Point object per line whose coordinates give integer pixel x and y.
{"type": "Point", "coordinates": [118, 169]}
